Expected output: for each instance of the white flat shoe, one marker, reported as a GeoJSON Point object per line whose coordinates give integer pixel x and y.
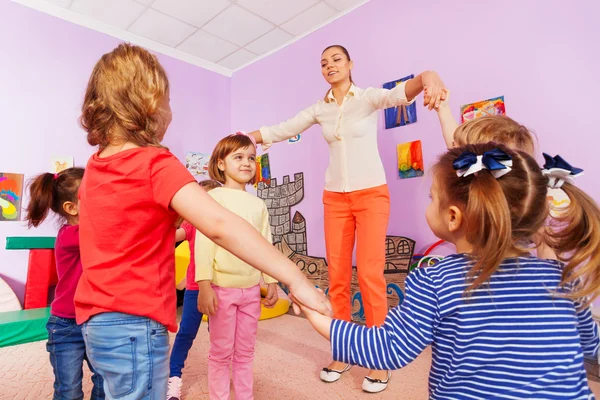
{"type": "Point", "coordinates": [332, 375]}
{"type": "Point", "coordinates": [371, 385]}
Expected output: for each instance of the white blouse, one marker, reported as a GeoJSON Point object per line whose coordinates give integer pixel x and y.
{"type": "Point", "coordinates": [350, 130]}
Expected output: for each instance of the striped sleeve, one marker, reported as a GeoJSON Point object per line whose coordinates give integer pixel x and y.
{"type": "Point", "coordinates": [407, 330]}
{"type": "Point", "coordinates": [588, 331]}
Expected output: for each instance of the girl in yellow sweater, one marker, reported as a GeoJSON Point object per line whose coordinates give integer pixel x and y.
{"type": "Point", "coordinates": [229, 290]}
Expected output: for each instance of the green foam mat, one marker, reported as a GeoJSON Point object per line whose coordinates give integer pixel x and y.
{"type": "Point", "coordinates": [29, 242]}
{"type": "Point", "coordinates": [18, 327]}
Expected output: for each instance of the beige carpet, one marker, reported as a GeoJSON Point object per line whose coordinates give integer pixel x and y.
{"type": "Point", "coordinates": [289, 356]}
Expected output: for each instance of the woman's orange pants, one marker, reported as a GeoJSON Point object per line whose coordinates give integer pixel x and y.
{"type": "Point", "coordinates": [364, 215]}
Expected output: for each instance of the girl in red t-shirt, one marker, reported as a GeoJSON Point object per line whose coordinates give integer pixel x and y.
{"type": "Point", "coordinates": [58, 192]}
{"type": "Point", "coordinates": [131, 195]}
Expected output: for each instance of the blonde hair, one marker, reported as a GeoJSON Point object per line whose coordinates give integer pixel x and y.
{"type": "Point", "coordinates": [497, 128]}
{"type": "Point", "coordinates": [226, 146]}
{"type": "Point", "coordinates": [575, 236]}
{"type": "Point", "coordinates": [123, 98]}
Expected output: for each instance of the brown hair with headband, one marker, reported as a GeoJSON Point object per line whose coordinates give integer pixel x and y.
{"type": "Point", "coordinates": [226, 146]}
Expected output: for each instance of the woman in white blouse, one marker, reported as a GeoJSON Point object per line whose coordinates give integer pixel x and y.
{"type": "Point", "coordinates": [356, 199]}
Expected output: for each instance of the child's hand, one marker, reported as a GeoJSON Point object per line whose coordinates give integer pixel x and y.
{"type": "Point", "coordinates": [272, 296]}
{"type": "Point", "coordinates": [207, 300]}
{"type": "Point", "coordinates": [321, 323]}
{"type": "Point", "coordinates": [444, 102]}
{"type": "Point", "coordinates": [306, 293]}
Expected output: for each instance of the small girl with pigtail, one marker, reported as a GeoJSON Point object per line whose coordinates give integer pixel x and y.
{"type": "Point", "coordinates": [501, 322]}
{"type": "Point", "coordinates": [58, 193]}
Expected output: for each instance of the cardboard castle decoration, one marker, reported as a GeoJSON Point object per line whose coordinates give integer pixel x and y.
{"type": "Point", "coordinates": [279, 200]}
{"type": "Point", "coordinates": [398, 257]}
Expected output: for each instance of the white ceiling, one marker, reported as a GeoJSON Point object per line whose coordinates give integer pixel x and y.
{"type": "Point", "coordinates": [220, 35]}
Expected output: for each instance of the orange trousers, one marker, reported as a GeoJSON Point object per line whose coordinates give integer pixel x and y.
{"type": "Point", "coordinates": [362, 215]}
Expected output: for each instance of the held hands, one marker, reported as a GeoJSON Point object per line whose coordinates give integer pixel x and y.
{"type": "Point", "coordinates": [305, 293]}
{"type": "Point", "coordinates": [272, 296]}
{"type": "Point", "coordinates": [434, 89]}
{"type": "Point", "coordinates": [207, 299]}
{"type": "Point", "coordinates": [321, 323]}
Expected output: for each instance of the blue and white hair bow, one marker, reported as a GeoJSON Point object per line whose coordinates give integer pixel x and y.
{"type": "Point", "coordinates": [496, 161]}
{"type": "Point", "coordinates": [559, 171]}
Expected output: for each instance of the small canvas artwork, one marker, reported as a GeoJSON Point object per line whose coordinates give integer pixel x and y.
{"type": "Point", "coordinates": [263, 170]}
{"type": "Point", "coordinates": [11, 194]}
{"type": "Point", "coordinates": [559, 202]}
{"type": "Point", "coordinates": [483, 108]}
{"type": "Point", "coordinates": [197, 163]}
{"type": "Point", "coordinates": [60, 164]}
{"type": "Point", "coordinates": [410, 160]}
{"type": "Point", "coordinates": [401, 115]}
{"type": "Point", "coordinates": [295, 139]}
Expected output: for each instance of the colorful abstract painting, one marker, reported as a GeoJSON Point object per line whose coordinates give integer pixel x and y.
{"type": "Point", "coordinates": [263, 170]}
{"type": "Point", "coordinates": [197, 163]}
{"type": "Point", "coordinates": [410, 160]}
{"type": "Point", "coordinates": [60, 164]}
{"type": "Point", "coordinates": [401, 115]}
{"type": "Point", "coordinates": [483, 108]}
{"type": "Point", "coordinates": [295, 139]}
{"type": "Point", "coordinates": [11, 194]}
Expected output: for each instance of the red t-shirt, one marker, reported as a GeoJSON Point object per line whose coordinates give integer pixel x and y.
{"type": "Point", "coordinates": [68, 268]}
{"type": "Point", "coordinates": [127, 235]}
{"type": "Point", "coordinates": [190, 236]}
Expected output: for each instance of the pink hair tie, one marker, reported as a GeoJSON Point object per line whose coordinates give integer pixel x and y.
{"type": "Point", "coordinates": [242, 133]}
{"type": "Point", "coordinates": [55, 176]}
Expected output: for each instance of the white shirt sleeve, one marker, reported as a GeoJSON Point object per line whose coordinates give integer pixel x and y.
{"type": "Point", "coordinates": [290, 128]}
{"type": "Point", "coordinates": [386, 98]}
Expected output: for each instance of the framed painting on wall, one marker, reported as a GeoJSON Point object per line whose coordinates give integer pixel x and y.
{"type": "Point", "coordinates": [482, 108]}
{"type": "Point", "coordinates": [410, 160]}
{"type": "Point", "coordinates": [11, 195]}
{"type": "Point", "coordinates": [401, 115]}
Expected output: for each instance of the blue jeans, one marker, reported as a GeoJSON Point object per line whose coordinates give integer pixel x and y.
{"type": "Point", "coordinates": [67, 354]}
{"type": "Point", "coordinates": [190, 323]}
{"type": "Point", "coordinates": [131, 353]}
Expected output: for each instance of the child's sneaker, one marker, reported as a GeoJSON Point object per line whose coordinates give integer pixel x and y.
{"type": "Point", "coordinates": [174, 390]}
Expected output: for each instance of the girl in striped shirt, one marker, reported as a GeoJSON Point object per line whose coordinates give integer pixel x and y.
{"type": "Point", "coordinates": [502, 324]}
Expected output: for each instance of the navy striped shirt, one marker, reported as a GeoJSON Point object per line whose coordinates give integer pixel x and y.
{"type": "Point", "coordinates": [511, 339]}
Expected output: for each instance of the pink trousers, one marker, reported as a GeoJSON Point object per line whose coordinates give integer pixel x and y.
{"type": "Point", "coordinates": [232, 338]}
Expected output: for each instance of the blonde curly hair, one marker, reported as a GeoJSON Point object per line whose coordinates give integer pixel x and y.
{"type": "Point", "coordinates": [123, 99]}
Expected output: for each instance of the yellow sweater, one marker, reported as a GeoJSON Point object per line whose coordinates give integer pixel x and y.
{"type": "Point", "coordinates": [216, 264]}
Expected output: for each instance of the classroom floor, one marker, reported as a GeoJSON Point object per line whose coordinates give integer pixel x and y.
{"type": "Point", "coordinates": [289, 355]}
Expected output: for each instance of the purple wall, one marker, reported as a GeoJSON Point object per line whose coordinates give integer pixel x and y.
{"type": "Point", "coordinates": [537, 54]}
{"type": "Point", "coordinates": [46, 63]}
